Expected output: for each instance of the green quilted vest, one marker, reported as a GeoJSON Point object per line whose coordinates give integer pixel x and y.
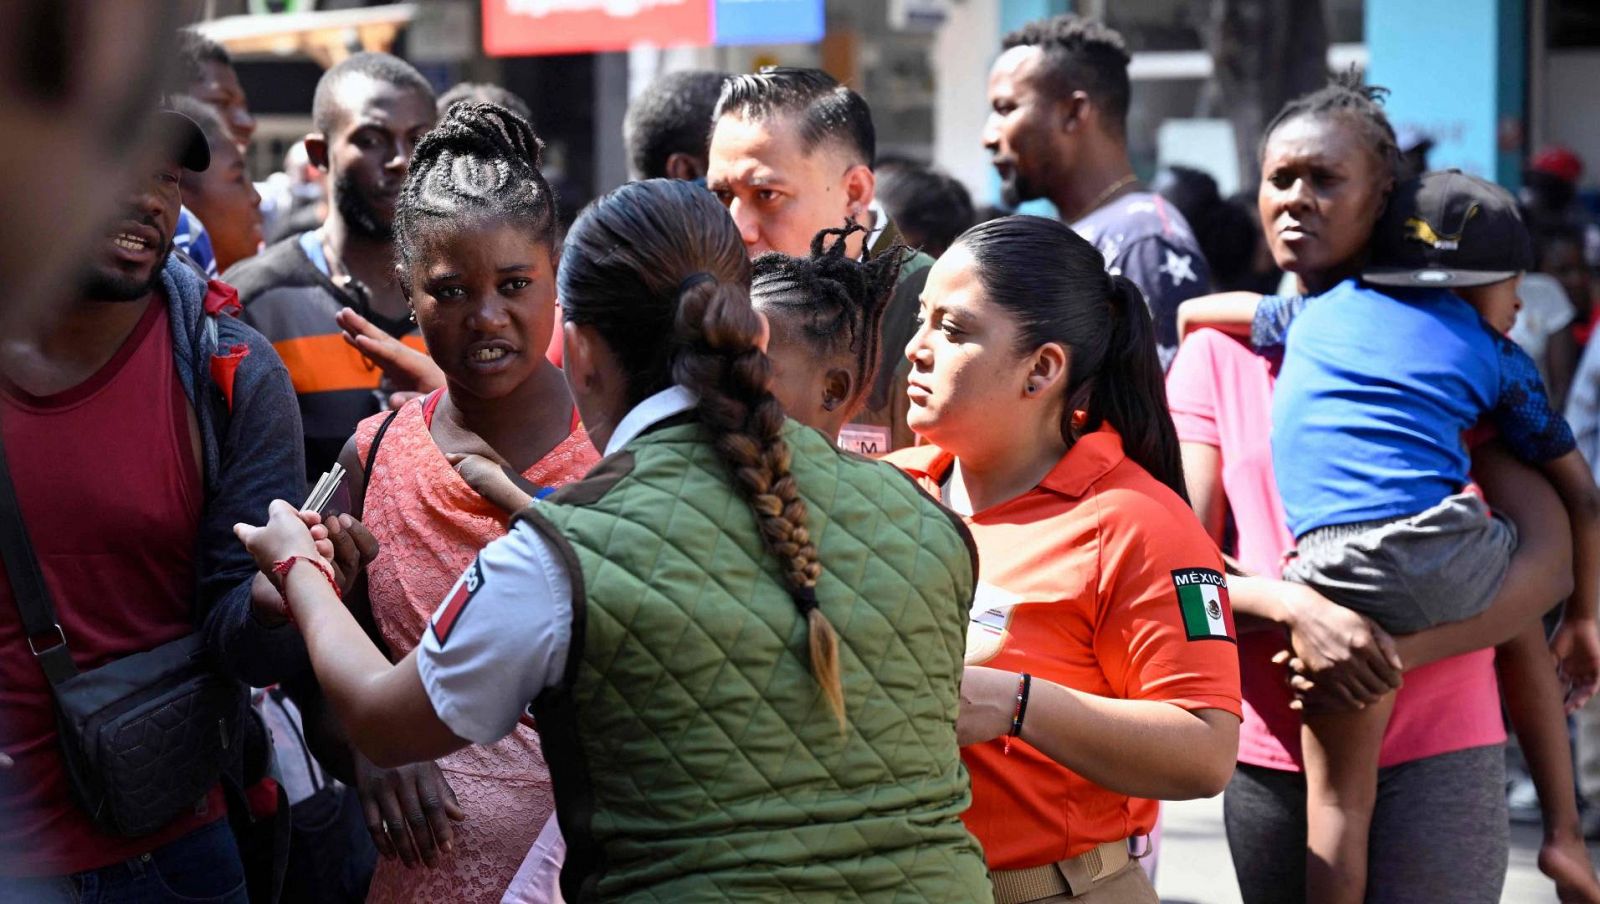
{"type": "Point", "coordinates": [694, 757]}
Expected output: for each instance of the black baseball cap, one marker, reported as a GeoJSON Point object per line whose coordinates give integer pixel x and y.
{"type": "Point", "coordinates": [185, 140]}
{"type": "Point", "coordinates": [1448, 228]}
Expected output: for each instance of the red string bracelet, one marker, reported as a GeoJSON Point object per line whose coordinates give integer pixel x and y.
{"type": "Point", "coordinates": [1024, 684]}
{"type": "Point", "coordinates": [281, 569]}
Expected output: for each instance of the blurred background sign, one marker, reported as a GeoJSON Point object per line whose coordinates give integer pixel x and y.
{"type": "Point", "coordinates": [536, 27]}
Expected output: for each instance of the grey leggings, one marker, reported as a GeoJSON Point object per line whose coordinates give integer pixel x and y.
{"type": "Point", "coordinates": [1439, 832]}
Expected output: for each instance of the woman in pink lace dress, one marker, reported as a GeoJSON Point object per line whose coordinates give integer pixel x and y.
{"type": "Point", "coordinates": [474, 228]}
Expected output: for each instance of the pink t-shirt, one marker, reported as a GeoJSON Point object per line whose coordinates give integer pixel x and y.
{"type": "Point", "coordinates": [1220, 393]}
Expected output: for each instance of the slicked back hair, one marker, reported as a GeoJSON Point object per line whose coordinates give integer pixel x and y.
{"type": "Point", "coordinates": [672, 116]}
{"type": "Point", "coordinates": [658, 270]}
{"type": "Point", "coordinates": [1053, 284]}
{"type": "Point", "coordinates": [1345, 95]}
{"type": "Point", "coordinates": [1080, 55]}
{"type": "Point", "coordinates": [380, 67]}
{"type": "Point", "coordinates": [823, 109]}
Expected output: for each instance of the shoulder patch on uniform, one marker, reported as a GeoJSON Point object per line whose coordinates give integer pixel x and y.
{"type": "Point", "coordinates": [467, 587]}
{"type": "Point", "coordinates": [1203, 601]}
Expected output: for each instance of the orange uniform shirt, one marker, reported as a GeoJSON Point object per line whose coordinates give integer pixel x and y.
{"type": "Point", "coordinates": [1102, 580]}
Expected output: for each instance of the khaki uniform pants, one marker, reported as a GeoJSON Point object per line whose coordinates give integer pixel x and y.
{"type": "Point", "coordinates": [1128, 885]}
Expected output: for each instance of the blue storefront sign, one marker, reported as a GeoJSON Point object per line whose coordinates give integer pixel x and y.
{"type": "Point", "coordinates": [766, 21]}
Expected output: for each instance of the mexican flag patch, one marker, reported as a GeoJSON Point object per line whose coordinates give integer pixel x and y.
{"type": "Point", "coordinates": [1203, 600]}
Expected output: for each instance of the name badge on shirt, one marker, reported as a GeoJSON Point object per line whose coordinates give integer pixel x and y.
{"type": "Point", "coordinates": [991, 616]}
{"type": "Point", "coordinates": [864, 439]}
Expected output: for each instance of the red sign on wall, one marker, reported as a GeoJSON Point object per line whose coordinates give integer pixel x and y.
{"type": "Point", "coordinates": [528, 27]}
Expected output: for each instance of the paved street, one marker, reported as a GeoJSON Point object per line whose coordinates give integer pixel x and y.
{"type": "Point", "coordinates": [1195, 868]}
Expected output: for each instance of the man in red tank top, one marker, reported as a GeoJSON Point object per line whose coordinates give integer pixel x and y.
{"type": "Point", "coordinates": [109, 416]}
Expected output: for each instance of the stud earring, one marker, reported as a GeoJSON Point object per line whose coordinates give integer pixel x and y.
{"type": "Point", "coordinates": [413, 317]}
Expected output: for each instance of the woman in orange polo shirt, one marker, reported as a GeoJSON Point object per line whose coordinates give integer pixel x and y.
{"type": "Point", "coordinates": [1102, 672]}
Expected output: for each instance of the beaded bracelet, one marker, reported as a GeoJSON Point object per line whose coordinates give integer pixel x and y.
{"type": "Point", "coordinates": [1024, 684]}
{"type": "Point", "coordinates": [281, 569]}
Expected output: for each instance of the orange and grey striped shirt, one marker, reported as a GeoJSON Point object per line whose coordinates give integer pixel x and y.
{"type": "Point", "coordinates": [289, 298]}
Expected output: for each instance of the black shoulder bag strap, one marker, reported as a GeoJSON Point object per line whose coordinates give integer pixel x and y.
{"type": "Point", "coordinates": [28, 587]}
{"type": "Point", "coordinates": [372, 457]}
{"type": "Point", "coordinates": [362, 607]}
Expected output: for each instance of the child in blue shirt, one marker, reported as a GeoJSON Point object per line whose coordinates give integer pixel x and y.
{"type": "Point", "coordinates": [1380, 380]}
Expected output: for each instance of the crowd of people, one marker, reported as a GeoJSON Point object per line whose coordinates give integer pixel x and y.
{"type": "Point", "coordinates": [781, 526]}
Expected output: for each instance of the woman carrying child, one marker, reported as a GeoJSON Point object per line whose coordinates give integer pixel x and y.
{"type": "Point", "coordinates": [1409, 374]}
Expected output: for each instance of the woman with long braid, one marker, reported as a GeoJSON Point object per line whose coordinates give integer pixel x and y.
{"type": "Point", "coordinates": [474, 232]}
{"type": "Point", "coordinates": [742, 645]}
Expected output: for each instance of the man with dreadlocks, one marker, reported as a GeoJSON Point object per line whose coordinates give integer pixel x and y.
{"type": "Point", "coordinates": [792, 152]}
{"type": "Point", "coordinates": [826, 316]}
{"type": "Point", "coordinates": [369, 112]}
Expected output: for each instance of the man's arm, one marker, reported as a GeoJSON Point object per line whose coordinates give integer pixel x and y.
{"type": "Point", "coordinates": [262, 457]}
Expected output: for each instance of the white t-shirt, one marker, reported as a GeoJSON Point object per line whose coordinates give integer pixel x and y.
{"type": "Point", "coordinates": [503, 633]}
{"type": "Point", "coordinates": [1546, 310]}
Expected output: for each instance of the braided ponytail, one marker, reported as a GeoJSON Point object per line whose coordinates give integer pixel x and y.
{"type": "Point", "coordinates": [661, 258]}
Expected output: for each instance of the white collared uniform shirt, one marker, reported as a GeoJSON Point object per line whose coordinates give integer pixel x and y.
{"type": "Point", "coordinates": [503, 633]}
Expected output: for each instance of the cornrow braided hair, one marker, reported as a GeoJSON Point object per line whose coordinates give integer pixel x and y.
{"type": "Point", "coordinates": [481, 160]}
{"type": "Point", "coordinates": [1344, 95]}
{"type": "Point", "coordinates": [661, 257]}
{"type": "Point", "coordinates": [840, 300]}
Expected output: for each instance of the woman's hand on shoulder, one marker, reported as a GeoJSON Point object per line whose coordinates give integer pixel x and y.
{"type": "Point", "coordinates": [1341, 660]}
{"type": "Point", "coordinates": [490, 479]}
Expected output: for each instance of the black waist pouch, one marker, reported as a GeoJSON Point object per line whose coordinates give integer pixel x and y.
{"type": "Point", "coordinates": [147, 736]}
